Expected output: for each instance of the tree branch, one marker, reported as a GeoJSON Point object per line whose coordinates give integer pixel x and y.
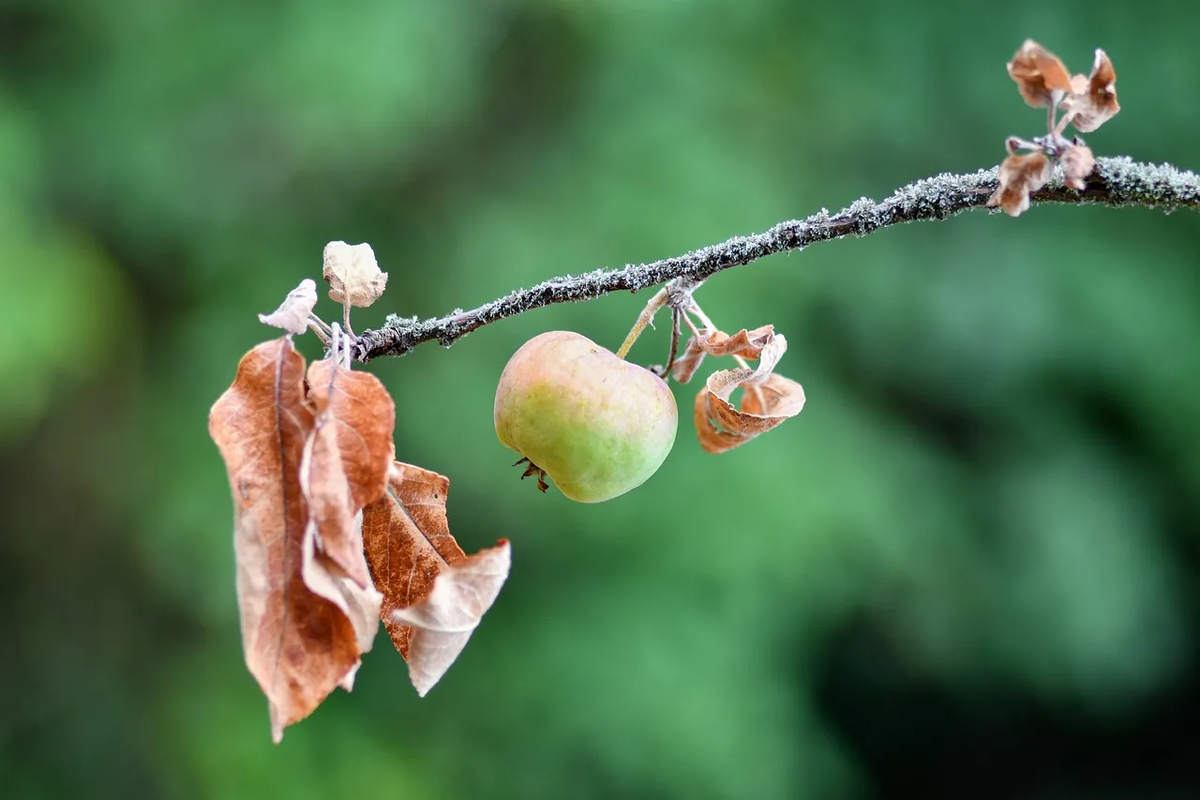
{"type": "Point", "coordinates": [1115, 182]}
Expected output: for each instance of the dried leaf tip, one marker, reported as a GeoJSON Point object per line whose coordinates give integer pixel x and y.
{"type": "Point", "coordinates": [1020, 176]}
{"type": "Point", "coordinates": [1039, 75]}
{"type": "Point", "coordinates": [353, 274]}
{"type": "Point", "coordinates": [292, 314]}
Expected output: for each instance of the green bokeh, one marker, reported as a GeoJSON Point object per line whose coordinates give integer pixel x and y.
{"type": "Point", "coordinates": [970, 561]}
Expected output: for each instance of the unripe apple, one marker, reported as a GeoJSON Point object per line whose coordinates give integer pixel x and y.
{"type": "Point", "coordinates": [596, 424]}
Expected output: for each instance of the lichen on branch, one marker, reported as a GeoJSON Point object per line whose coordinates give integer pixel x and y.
{"type": "Point", "coordinates": [1115, 182]}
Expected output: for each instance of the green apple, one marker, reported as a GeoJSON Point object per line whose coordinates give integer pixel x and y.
{"type": "Point", "coordinates": [596, 424]}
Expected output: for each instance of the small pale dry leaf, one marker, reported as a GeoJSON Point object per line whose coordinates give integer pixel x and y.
{"type": "Point", "coordinates": [353, 274]}
{"type": "Point", "coordinates": [1093, 100]}
{"type": "Point", "coordinates": [1077, 163]}
{"type": "Point", "coordinates": [346, 459]}
{"type": "Point", "coordinates": [744, 343]}
{"type": "Point", "coordinates": [292, 314]}
{"type": "Point", "coordinates": [298, 645]}
{"type": "Point", "coordinates": [408, 545]}
{"type": "Point", "coordinates": [1039, 74]}
{"type": "Point", "coordinates": [444, 621]}
{"type": "Point", "coordinates": [767, 401]}
{"type": "Point", "coordinates": [1020, 176]}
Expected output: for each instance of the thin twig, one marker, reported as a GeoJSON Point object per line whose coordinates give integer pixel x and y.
{"type": "Point", "coordinates": [676, 329]}
{"type": "Point", "coordinates": [1116, 182]}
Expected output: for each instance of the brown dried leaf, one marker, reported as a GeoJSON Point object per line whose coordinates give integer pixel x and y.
{"type": "Point", "coordinates": [408, 545]}
{"type": "Point", "coordinates": [298, 645]}
{"type": "Point", "coordinates": [345, 466]}
{"type": "Point", "coordinates": [407, 540]}
{"type": "Point", "coordinates": [767, 401]}
{"type": "Point", "coordinates": [292, 314]}
{"type": "Point", "coordinates": [444, 621]}
{"type": "Point", "coordinates": [1020, 175]}
{"type": "Point", "coordinates": [346, 460]}
{"type": "Point", "coordinates": [747, 344]}
{"type": "Point", "coordinates": [353, 274]}
{"type": "Point", "coordinates": [1093, 100]}
{"type": "Point", "coordinates": [1077, 163]}
{"type": "Point", "coordinates": [1039, 74]}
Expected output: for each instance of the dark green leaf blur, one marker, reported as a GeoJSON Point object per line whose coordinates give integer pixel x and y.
{"type": "Point", "coordinates": [967, 570]}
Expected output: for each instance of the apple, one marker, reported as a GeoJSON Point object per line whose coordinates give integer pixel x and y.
{"type": "Point", "coordinates": [596, 424]}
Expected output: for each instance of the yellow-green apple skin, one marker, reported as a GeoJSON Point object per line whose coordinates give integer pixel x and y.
{"type": "Point", "coordinates": [598, 425]}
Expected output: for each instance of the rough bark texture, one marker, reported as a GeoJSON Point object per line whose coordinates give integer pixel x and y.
{"type": "Point", "coordinates": [1115, 182]}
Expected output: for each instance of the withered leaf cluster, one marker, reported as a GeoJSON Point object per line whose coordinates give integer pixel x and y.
{"type": "Point", "coordinates": [767, 399]}
{"type": "Point", "coordinates": [331, 534]}
{"type": "Point", "coordinates": [1086, 102]}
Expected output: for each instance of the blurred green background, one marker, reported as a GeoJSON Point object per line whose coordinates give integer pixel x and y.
{"type": "Point", "coordinates": [967, 569]}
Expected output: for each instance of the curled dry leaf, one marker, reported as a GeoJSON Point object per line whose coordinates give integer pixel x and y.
{"type": "Point", "coordinates": [744, 343]}
{"type": "Point", "coordinates": [353, 274]}
{"type": "Point", "coordinates": [1077, 163]}
{"type": "Point", "coordinates": [767, 401]}
{"type": "Point", "coordinates": [298, 644]}
{"type": "Point", "coordinates": [444, 621]}
{"type": "Point", "coordinates": [1093, 100]}
{"type": "Point", "coordinates": [1020, 175]}
{"type": "Point", "coordinates": [1039, 75]}
{"type": "Point", "coordinates": [292, 314]}
{"type": "Point", "coordinates": [409, 545]}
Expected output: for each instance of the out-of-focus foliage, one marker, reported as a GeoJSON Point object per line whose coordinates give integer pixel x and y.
{"type": "Point", "coordinates": [967, 569]}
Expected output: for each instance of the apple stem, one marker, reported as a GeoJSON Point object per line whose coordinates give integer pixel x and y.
{"type": "Point", "coordinates": [645, 318]}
